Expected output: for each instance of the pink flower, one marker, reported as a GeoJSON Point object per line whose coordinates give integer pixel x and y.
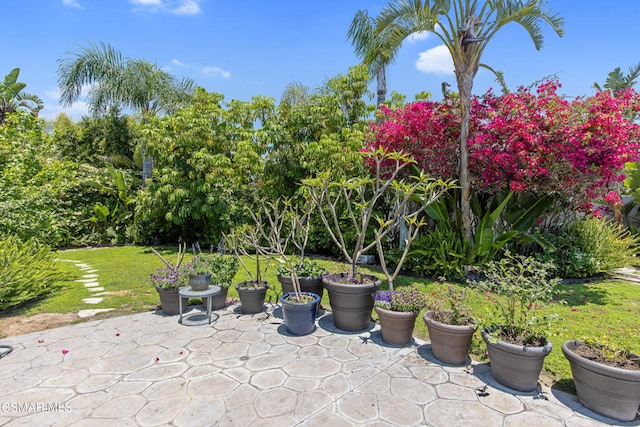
{"type": "Point", "coordinates": [64, 351]}
{"type": "Point", "coordinates": [118, 334]}
{"type": "Point", "coordinates": [612, 198]}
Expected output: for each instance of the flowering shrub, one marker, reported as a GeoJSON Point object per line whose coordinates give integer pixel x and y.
{"type": "Point", "coordinates": [525, 140]}
{"type": "Point", "coordinates": [428, 130]}
{"type": "Point", "coordinates": [544, 143]}
{"type": "Point", "coordinates": [406, 298]}
{"type": "Point", "coordinates": [171, 277]}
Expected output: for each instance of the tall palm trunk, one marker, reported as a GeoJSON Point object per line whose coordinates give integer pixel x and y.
{"type": "Point", "coordinates": [465, 85]}
{"type": "Point", "coordinates": [381, 78]}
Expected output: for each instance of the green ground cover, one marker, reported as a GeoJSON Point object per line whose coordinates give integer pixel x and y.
{"type": "Point", "coordinates": [607, 310]}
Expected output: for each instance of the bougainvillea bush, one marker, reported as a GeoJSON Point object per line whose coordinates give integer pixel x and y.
{"type": "Point", "coordinates": [544, 143]}
{"type": "Point", "coordinates": [530, 146]}
{"type": "Point", "coordinates": [528, 140]}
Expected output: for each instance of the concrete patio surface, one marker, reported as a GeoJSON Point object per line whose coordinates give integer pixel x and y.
{"type": "Point", "coordinates": [146, 369]}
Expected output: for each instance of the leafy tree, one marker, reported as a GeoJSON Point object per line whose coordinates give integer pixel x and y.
{"type": "Point", "coordinates": [312, 131]}
{"type": "Point", "coordinates": [13, 99]}
{"type": "Point", "coordinates": [465, 27]}
{"type": "Point", "coordinates": [43, 195]}
{"type": "Point", "coordinates": [119, 81]}
{"type": "Point", "coordinates": [208, 164]}
{"type": "Point", "coordinates": [96, 140]}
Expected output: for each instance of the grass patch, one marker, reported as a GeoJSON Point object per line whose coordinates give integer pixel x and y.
{"type": "Point", "coordinates": [604, 310]}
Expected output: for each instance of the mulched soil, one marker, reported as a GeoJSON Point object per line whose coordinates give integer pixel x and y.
{"type": "Point", "coordinates": [609, 358]}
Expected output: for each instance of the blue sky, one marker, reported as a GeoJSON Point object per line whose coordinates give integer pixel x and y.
{"type": "Point", "coordinates": [243, 48]}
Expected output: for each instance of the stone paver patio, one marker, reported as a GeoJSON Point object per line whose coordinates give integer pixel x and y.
{"type": "Point", "coordinates": [146, 369]}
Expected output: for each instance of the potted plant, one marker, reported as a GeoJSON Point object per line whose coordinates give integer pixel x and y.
{"type": "Point", "coordinates": [277, 225]}
{"type": "Point", "coordinates": [309, 275]}
{"type": "Point", "coordinates": [168, 280]}
{"type": "Point", "coordinates": [350, 293]}
{"type": "Point", "coordinates": [243, 242]}
{"type": "Point", "coordinates": [223, 270]}
{"type": "Point", "coordinates": [308, 272]}
{"type": "Point", "coordinates": [607, 379]}
{"type": "Point", "coordinates": [517, 341]}
{"type": "Point", "coordinates": [397, 311]}
{"type": "Point", "coordinates": [450, 326]}
{"type": "Point", "coordinates": [200, 273]}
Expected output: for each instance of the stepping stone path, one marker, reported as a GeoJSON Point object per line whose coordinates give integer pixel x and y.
{"type": "Point", "coordinates": [90, 281]}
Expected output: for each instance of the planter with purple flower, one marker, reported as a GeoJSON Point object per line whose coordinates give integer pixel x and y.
{"type": "Point", "coordinates": [168, 280]}
{"type": "Point", "coordinates": [397, 312]}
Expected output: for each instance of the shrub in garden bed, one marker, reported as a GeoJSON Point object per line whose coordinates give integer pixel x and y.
{"type": "Point", "coordinates": [590, 247]}
{"type": "Point", "coordinates": [27, 270]}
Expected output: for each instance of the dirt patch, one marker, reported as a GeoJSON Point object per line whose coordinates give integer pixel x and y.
{"type": "Point", "coordinates": [21, 324]}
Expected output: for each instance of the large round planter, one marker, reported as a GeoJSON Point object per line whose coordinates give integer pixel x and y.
{"type": "Point", "coordinates": [607, 390]}
{"type": "Point", "coordinates": [169, 300]}
{"type": "Point", "coordinates": [199, 282]}
{"type": "Point", "coordinates": [449, 343]}
{"type": "Point", "coordinates": [351, 304]}
{"type": "Point", "coordinates": [396, 326]}
{"type": "Point", "coordinates": [251, 296]}
{"type": "Point", "coordinates": [307, 284]}
{"type": "Point", "coordinates": [515, 366]}
{"type": "Point", "coordinates": [219, 301]}
{"type": "Point", "coordinates": [299, 319]}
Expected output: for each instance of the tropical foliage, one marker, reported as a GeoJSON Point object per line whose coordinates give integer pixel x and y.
{"type": "Point", "coordinates": [28, 270]}
{"type": "Point", "coordinates": [13, 99]}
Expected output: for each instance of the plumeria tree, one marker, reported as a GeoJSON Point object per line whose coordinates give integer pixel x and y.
{"type": "Point", "coordinates": [406, 199]}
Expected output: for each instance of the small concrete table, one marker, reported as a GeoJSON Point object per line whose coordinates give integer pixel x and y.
{"type": "Point", "coordinates": [209, 293]}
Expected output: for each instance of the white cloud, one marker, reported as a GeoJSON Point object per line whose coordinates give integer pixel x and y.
{"type": "Point", "coordinates": [147, 2]}
{"type": "Point", "coordinates": [72, 3]}
{"type": "Point", "coordinates": [175, 7]}
{"type": "Point", "coordinates": [436, 60]}
{"type": "Point", "coordinates": [187, 7]}
{"type": "Point", "coordinates": [216, 72]}
{"type": "Point", "coordinates": [210, 70]}
{"type": "Point", "coordinates": [52, 105]}
{"type": "Point", "coordinates": [421, 35]}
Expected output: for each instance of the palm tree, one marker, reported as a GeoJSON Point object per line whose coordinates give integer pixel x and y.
{"type": "Point", "coordinates": [465, 27]}
{"type": "Point", "coordinates": [120, 82]}
{"type": "Point", "coordinates": [373, 48]}
{"type": "Point", "coordinates": [616, 81]}
{"type": "Point", "coordinates": [13, 99]}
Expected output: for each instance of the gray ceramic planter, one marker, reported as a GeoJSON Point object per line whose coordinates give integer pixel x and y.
{"type": "Point", "coordinates": [449, 343]}
{"type": "Point", "coordinates": [307, 284]}
{"type": "Point", "coordinates": [515, 366]}
{"type": "Point", "coordinates": [607, 390]}
{"type": "Point", "coordinates": [396, 326]}
{"type": "Point", "coordinates": [169, 300]}
{"type": "Point", "coordinates": [351, 303]}
{"type": "Point", "coordinates": [251, 297]}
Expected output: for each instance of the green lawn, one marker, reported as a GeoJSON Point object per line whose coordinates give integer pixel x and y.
{"type": "Point", "coordinates": [607, 310]}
